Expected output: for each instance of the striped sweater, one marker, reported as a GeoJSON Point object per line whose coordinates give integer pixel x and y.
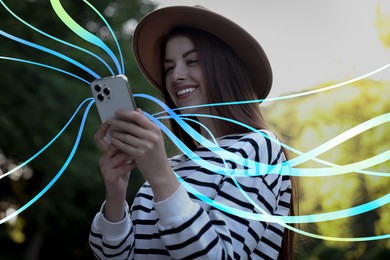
{"type": "Point", "coordinates": [185, 227]}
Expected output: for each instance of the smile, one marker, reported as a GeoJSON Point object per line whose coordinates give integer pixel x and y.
{"type": "Point", "coordinates": [184, 91]}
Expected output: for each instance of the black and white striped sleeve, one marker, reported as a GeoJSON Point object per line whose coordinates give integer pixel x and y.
{"type": "Point", "coordinates": [110, 240]}
{"type": "Point", "coordinates": [190, 231]}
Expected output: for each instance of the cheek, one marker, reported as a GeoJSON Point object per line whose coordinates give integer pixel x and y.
{"type": "Point", "coordinates": [169, 89]}
{"type": "Point", "coordinates": [198, 74]}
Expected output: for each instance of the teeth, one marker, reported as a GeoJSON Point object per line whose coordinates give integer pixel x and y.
{"type": "Point", "coordinates": [184, 91]}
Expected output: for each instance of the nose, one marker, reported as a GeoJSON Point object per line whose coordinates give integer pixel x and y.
{"type": "Point", "coordinates": [179, 73]}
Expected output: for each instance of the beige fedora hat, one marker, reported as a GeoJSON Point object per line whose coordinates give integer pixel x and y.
{"type": "Point", "coordinates": [151, 29]}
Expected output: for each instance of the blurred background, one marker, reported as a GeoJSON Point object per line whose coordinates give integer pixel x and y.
{"type": "Point", "coordinates": [310, 47]}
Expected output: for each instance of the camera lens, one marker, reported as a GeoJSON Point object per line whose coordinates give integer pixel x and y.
{"type": "Point", "coordinates": [100, 97]}
{"type": "Point", "coordinates": [98, 88]}
{"type": "Point", "coordinates": [106, 91]}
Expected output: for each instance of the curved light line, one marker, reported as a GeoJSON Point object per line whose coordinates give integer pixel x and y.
{"type": "Point", "coordinates": [287, 219]}
{"type": "Point", "coordinates": [287, 96]}
{"type": "Point", "coordinates": [317, 150]}
{"type": "Point", "coordinates": [360, 128]}
{"type": "Point", "coordinates": [336, 169]}
{"type": "Point", "coordinates": [341, 239]}
{"type": "Point", "coordinates": [45, 66]}
{"type": "Point", "coordinates": [240, 160]}
{"type": "Point", "coordinates": [329, 238]}
{"type": "Point", "coordinates": [343, 169]}
{"type": "Point", "coordinates": [49, 143]}
{"type": "Point", "coordinates": [58, 175]}
{"type": "Point", "coordinates": [247, 196]}
{"type": "Point", "coordinates": [199, 138]}
{"type": "Point", "coordinates": [302, 232]}
{"type": "Point", "coordinates": [55, 38]}
{"type": "Point", "coordinates": [111, 31]}
{"type": "Point", "coordinates": [204, 127]}
{"type": "Point", "coordinates": [309, 234]}
{"type": "Point", "coordinates": [321, 217]}
{"type": "Point", "coordinates": [54, 53]}
{"type": "Point", "coordinates": [277, 220]}
{"type": "Point", "coordinates": [80, 31]}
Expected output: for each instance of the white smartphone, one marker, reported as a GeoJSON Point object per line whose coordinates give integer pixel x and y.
{"type": "Point", "coordinates": [112, 94]}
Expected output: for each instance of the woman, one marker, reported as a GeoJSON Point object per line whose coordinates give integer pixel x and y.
{"type": "Point", "coordinates": [194, 57]}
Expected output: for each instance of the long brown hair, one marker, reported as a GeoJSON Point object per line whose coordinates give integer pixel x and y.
{"type": "Point", "coordinates": [227, 81]}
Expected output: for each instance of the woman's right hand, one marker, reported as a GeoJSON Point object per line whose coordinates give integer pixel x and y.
{"type": "Point", "coordinates": [115, 169]}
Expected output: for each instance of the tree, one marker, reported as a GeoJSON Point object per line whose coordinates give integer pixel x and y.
{"type": "Point", "coordinates": [308, 122]}
{"type": "Point", "coordinates": [35, 103]}
{"type": "Point", "coordinates": [383, 25]}
{"type": "Point", "coordinates": [313, 120]}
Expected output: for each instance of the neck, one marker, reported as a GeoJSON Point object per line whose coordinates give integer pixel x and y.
{"type": "Point", "coordinates": [214, 128]}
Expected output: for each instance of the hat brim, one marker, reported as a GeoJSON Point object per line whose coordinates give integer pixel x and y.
{"type": "Point", "coordinates": [150, 30]}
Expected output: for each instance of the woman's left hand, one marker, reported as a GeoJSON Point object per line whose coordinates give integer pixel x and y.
{"type": "Point", "coordinates": [142, 140]}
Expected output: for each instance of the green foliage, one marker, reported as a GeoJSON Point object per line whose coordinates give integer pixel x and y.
{"type": "Point", "coordinates": [310, 121]}
{"type": "Point", "coordinates": [383, 26]}
{"type": "Point", "coordinates": [35, 103]}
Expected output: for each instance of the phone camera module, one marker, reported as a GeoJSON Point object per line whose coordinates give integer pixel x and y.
{"type": "Point", "coordinates": [106, 91]}
{"type": "Point", "coordinates": [100, 97]}
{"type": "Point", "coordinates": [98, 88]}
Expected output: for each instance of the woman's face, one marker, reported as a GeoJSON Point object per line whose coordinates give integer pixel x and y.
{"type": "Point", "coordinates": [185, 81]}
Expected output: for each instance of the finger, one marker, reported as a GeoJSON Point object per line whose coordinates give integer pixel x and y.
{"type": "Point", "coordinates": [100, 137]}
{"type": "Point", "coordinates": [120, 172]}
{"type": "Point", "coordinates": [128, 127]}
{"type": "Point", "coordinates": [102, 144]}
{"type": "Point", "coordinates": [137, 117]}
{"type": "Point", "coordinates": [127, 148]}
{"type": "Point", "coordinates": [126, 138]}
{"type": "Point", "coordinates": [127, 167]}
{"type": "Point", "coordinates": [144, 121]}
{"type": "Point", "coordinates": [118, 166]}
{"type": "Point", "coordinates": [109, 153]}
{"type": "Point", "coordinates": [112, 159]}
{"type": "Point", "coordinates": [121, 158]}
{"type": "Point", "coordinates": [102, 130]}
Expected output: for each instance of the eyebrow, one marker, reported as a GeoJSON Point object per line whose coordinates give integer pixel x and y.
{"type": "Point", "coordinates": [187, 53]}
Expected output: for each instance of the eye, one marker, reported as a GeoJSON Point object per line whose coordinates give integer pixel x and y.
{"type": "Point", "coordinates": [168, 69]}
{"type": "Point", "coordinates": [192, 61]}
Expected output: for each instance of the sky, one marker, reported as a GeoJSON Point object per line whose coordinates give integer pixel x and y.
{"type": "Point", "coordinates": [309, 42]}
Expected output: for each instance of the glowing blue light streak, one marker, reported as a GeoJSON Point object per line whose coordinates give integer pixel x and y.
{"type": "Point", "coordinates": [58, 175]}
{"type": "Point", "coordinates": [45, 66]}
{"type": "Point", "coordinates": [49, 143]}
{"type": "Point", "coordinates": [54, 38]}
{"type": "Point", "coordinates": [301, 94]}
{"type": "Point", "coordinates": [304, 157]}
{"type": "Point", "coordinates": [294, 172]}
{"type": "Point", "coordinates": [353, 211]}
{"type": "Point", "coordinates": [302, 232]}
{"type": "Point", "coordinates": [321, 217]}
{"type": "Point", "coordinates": [80, 31]}
{"type": "Point", "coordinates": [112, 33]}
{"type": "Point", "coordinates": [54, 53]}
{"type": "Point", "coordinates": [200, 139]}
{"type": "Point", "coordinates": [276, 220]}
